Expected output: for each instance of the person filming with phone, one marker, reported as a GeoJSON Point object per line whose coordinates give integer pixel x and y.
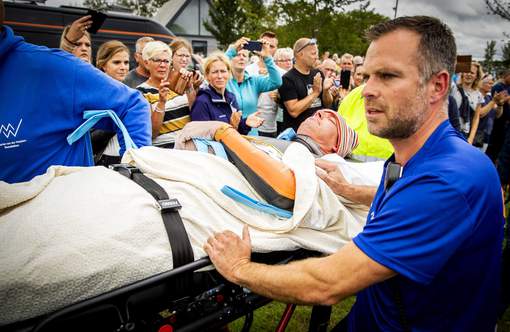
{"type": "Point", "coordinates": [247, 87]}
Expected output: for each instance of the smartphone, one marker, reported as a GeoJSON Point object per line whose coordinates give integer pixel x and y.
{"type": "Point", "coordinates": [345, 79]}
{"type": "Point", "coordinates": [253, 45]}
{"type": "Point", "coordinates": [97, 20]}
{"type": "Point", "coordinates": [337, 83]}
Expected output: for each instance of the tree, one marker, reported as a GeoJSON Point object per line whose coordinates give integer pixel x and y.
{"type": "Point", "coordinates": [228, 20]}
{"type": "Point", "coordinates": [499, 7]}
{"type": "Point", "coordinates": [506, 53]}
{"type": "Point", "coordinates": [490, 52]}
{"type": "Point", "coordinates": [100, 5]}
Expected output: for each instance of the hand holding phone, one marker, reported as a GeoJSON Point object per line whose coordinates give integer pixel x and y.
{"type": "Point", "coordinates": [98, 19]}
{"type": "Point", "coordinates": [345, 79]}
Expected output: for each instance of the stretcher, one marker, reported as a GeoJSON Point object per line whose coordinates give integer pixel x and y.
{"type": "Point", "coordinates": [187, 297]}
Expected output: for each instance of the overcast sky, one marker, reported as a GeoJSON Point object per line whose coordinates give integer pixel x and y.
{"type": "Point", "coordinates": [468, 19]}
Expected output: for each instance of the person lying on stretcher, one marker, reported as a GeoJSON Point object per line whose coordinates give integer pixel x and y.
{"type": "Point", "coordinates": [324, 133]}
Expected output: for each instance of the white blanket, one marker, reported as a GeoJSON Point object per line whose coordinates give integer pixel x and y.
{"type": "Point", "coordinates": [74, 233]}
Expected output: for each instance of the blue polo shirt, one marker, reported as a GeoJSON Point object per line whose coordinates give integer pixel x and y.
{"type": "Point", "coordinates": [440, 227]}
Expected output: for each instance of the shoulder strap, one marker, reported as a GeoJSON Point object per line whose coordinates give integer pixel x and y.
{"type": "Point", "coordinates": [182, 253]}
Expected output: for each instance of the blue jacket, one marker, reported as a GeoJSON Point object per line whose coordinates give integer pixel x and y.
{"type": "Point", "coordinates": [211, 106]}
{"type": "Point", "coordinates": [247, 93]}
{"type": "Point", "coordinates": [43, 93]}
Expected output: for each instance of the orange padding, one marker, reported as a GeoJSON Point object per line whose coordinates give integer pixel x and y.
{"type": "Point", "coordinates": [272, 171]}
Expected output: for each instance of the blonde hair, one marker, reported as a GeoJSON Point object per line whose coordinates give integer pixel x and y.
{"type": "Point", "coordinates": [155, 47]}
{"type": "Point", "coordinates": [107, 50]}
{"type": "Point", "coordinates": [478, 78]}
{"type": "Point", "coordinates": [216, 56]}
{"type": "Point", "coordinates": [178, 43]}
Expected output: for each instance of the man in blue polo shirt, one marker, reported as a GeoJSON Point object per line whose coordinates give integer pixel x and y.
{"type": "Point", "coordinates": [429, 256]}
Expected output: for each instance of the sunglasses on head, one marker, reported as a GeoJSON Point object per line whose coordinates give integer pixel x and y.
{"type": "Point", "coordinates": [312, 41]}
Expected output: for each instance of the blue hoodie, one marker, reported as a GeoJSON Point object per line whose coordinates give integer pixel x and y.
{"type": "Point", "coordinates": [211, 106]}
{"type": "Point", "coordinates": [43, 94]}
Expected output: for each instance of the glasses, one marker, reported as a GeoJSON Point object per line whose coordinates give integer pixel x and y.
{"type": "Point", "coordinates": [160, 61]}
{"type": "Point", "coordinates": [187, 56]}
{"type": "Point", "coordinates": [312, 41]}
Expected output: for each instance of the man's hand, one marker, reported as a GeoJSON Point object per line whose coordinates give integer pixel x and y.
{"type": "Point", "coordinates": [317, 84]}
{"type": "Point", "coordinates": [78, 28]}
{"type": "Point", "coordinates": [328, 83]}
{"type": "Point", "coordinates": [254, 121]}
{"type": "Point", "coordinates": [229, 252]}
{"type": "Point", "coordinates": [331, 174]}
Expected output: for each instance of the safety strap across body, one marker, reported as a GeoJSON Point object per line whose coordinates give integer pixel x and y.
{"type": "Point", "coordinates": [182, 252]}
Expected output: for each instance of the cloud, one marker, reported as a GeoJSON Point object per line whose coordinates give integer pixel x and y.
{"type": "Point", "coordinates": [468, 19]}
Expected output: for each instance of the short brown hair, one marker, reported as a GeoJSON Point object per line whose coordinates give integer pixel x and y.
{"type": "Point", "coordinates": [436, 51]}
{"type": "Point", "coordinates": [269, 34]}
{"type": "Point", "coordinates": [107, 50]}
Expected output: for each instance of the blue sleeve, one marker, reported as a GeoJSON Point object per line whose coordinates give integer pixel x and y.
{"type": "Point", "coordinates": [418, 227]}
{"type": "Point", "coordinates": [94, 90]}
{"type": "Point", "coordinates": [200, 110]}
{"type": "Point", "coordinates": [231, 52]}
{"type": "Point", "coordinates": [270, 82]}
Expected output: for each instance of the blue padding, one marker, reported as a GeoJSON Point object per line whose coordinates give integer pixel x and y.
{"type": "Point", "coordinates": [92, 118]}
{"type": "Point", "coordinates": [201, 144]}
{"type": "Point", "coordinates": [287, 135]}
{"type": "Point", "coordinates": [238, 196]}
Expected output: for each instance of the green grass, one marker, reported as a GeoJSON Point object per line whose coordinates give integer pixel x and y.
{"type": "Point", "coordinates": [266, 318]}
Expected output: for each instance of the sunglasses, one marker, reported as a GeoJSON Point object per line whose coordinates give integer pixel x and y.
{"type": "Point", "coordinates": [312, 41]}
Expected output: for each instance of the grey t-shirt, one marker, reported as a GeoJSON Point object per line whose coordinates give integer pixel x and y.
{"type": "Point", "coordinates": [133, 79]}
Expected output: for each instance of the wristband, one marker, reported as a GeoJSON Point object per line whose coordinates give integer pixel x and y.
{"type": "Point", "coordinates": [70, 42]}
{"type": "Point", "coordinates": [157, 110]}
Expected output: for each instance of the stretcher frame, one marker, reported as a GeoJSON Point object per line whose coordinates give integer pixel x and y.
{"type": "Point", "coordinates": [159, 303]}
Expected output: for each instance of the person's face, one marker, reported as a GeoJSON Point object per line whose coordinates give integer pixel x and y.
{"type": "Point", "coordinates": [240, 61]}
{"type": "Point", "coordinates": [284, 63]}
{"type": "Point", "coordinates": [309, 56]}
{"type": "Point", "coordinates": [118, 66]}
{"type": "Point", "coordinates": [83, 50]}
{"type": "Point", "coordinates": [273, 44]}
{"type": "Point", "coordinates": [487, 85]}
{"type": "Point", "coordinates": [322, 128]}
{"type": "Point", "coordinates": [469, 78]}
{"type": "Point", "coordinates": [347, 64]}
{"type": "Point", "coordinates": [181, 58]}
{"type": "Point", "coordinates": [328, 68]}
{"type": "Point", "coordinates": [218, 75]}
{"type": "Point", "coordinates": [395, 97]}
{"type": "Point", "coordinates": [158, 66]}
{"type": "Point", "coordinates": [138, 57]}
{"type": "Point", "coordinates": [358, 75]}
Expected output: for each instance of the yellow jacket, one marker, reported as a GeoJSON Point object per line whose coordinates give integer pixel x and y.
{"type": "Point", "coordinates": [352, 108]}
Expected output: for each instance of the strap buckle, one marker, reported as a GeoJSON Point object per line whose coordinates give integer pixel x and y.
{"type": "Point", "coordinates": [125, 169]}
{"type": "Point", "coordinates": [171, 204]}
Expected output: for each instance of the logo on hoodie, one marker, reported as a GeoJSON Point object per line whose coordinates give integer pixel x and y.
{"type": "Point", "coordinates": [8, 130]}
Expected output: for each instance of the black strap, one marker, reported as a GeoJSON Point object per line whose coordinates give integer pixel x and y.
{"type": "Point", "coordinates": [397, 296]}
{"type": "Point", "coordinates": [182, 253]}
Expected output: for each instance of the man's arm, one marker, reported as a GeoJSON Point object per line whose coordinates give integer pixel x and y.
{"type": "Point", "coordinates": [325, 280]}
{"type": "Point", "coordinates": [331, 174]}
{"type": "Point", "coordinates": [295, 107]}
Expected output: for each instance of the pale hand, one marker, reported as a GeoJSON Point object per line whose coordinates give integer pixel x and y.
{"type": "Point", "coordinates": [164, 91]}
{"type": "Point", "coordinates": [266, 49]}
{"type": "Point", "coordinates": [228, 252]}
{"type": "Point", "coordinates": [330, 173]}
{"type": "Point", "coordinates": [317, 83]}
{"type": "Point", "coordinates": [78, 28]}
{"type": "Point", "coordinates": [235, 119]}
{"type": "Point", "coordinates": [328, 83]}
{"type": "Point", "coordinates": [254, 121]}
{"type": "Point", "coordinates": [239, 44]}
